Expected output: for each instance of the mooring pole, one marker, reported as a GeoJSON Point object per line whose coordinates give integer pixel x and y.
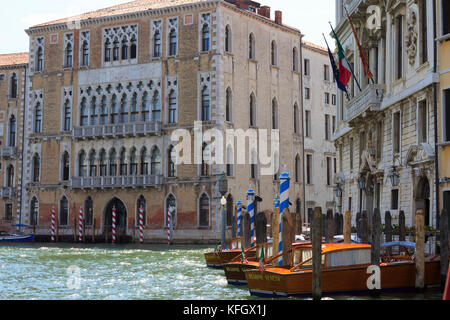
{"type": "Point", "coordinates": [376, 237]}
{"type": "Point", "coordinates": [364, 227]}
{"type": "Point", "coordinates": [275, 225]}
{"type": "Point", "coordinates": [317, 254]}
{"type": "Point", "coordinates": [348, 227]}
{"type": "Point", "coordinates": [420, 250]}
{"type": "Point", "coordinates": [402, 226]}
{"type": "Point", "coordinates": [251, 212]}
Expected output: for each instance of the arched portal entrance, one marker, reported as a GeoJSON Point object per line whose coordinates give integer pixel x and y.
{"type": "Point", "coordinates": [121, 219]}
{"type": "Point", "coordinates": [423, 198]}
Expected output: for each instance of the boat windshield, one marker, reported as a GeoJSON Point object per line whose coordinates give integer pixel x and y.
{"type": "Point", "coordinates": [349, 257]}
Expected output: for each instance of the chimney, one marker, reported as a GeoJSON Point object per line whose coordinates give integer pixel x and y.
{"type": "Point", "coordinates": [264, 11]}
{"type": "Point", "coordinates": [241, 4]}
{"type": "Point", "coordinates": [278, 17]}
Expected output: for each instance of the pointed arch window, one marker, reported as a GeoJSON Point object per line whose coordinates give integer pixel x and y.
{"type": "Point", "coordinates": [251, 47]}
{"type": "Point", "coordinates": [12, 131]}
{"type": "Point", "coordinates": [63, 211]}
{"type": "Point", "coordinates": [34, 211]}
{"type": "Point", "coordinates": [114, 110]}
{"type": "Point", "coordinates": [173, 117]}
{"type": "Point", "coordinates": [229, 106]}
{"type": "Point", "coordinates": [40, 59]}
{"type": "Point", "coordinates": [156, 106]}
{"type": "Point", "coordinates": [144, 162]}
{"type": "Point", "coordinates": [10, 177]}
{"type": "Point", "coordinates": [145, 112]}
{"type": "Point", "coordinates": [142, 204]}
{"type": "Point", "coordinates": [89, 211]}
{"type": "Point", "coordinates": [295, 59]}
{"type": "Point", "coordinates": [157, 44]}
{"type": "Point", "coordinates": [82, 164]}
{"type": "Point", "coordinates": [252, 110]}
{"type": "Point", "coordinates": [107, 50]}
{"type": "Point", "coordinates": [85, 54]}
{"type": "Point", "coordinates": [171, 171]}
{"type": "Point", "coordinates": [124, 48]}
{"type": "Point", "coordinates": [103, 111]}
{"type": "Point", "coordinates": [65, 167]}
{"type": "Point", "coordinates": [298, 168]}
{"type": "Point", "coordinates": [173, 39]}
{"type": "Point", "coordinates": [134, 113]}
{"type": "Point", "coordinates": [38, 118]}
{"type": "Point", "coordinates": [92, 165]}
{"type": "Point", "coordinates": [273, 53]}
{"type": "Point", "coordinates": [113, 163]}
{"type": "Point", "coordinates": [296, 119]}
{"type": "Point", "coordinates": [116, 50]}
{"type": "Point", "coordinates": [13, 86]}
{"type": "Point", "coordinates": [133, 162]}
{"type": "Point", "coordinates": [205, 161]}
{"type": "Point", "coordinates": [156, 162]}
{"type": "Point", "coordinates": [103, 164]}
{"type": "Point", "coordinates": [67, 115]}
{"type": "Point", "coordinates": [94, 112]}
{"type": "Point", "coordinates": [36, 168]}
{"type": "Point", "coordinates": [228, 39]}
{"type": "Point", "coordinates": [84, 120]}
{"type": "Point", "coordinates": [206, 37]}
{"type": "Point", "coordinates": [204, 211]}
{"type": "Point", "coordinates": [124, 109]}
{"type": "Point", "coordinates": [206, 106]}
{"type": "Point", "coordinates": [123, 163]}
{"type": "Point", "coordinates": [68, 56]}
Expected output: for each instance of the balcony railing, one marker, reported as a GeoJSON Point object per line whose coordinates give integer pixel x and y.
{"type": "Point", "coordinates": [115, 182]}
{"type": "Point", "coordinates": [368, 100]}
{"type": "Point", "coordinates": [117, 130]}
{"type": "Point", "coordinates": [7, 193]}
{"type": "Point", "coordinates": [8, 152]}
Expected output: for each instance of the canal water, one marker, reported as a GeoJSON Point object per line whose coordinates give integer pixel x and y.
{"type": "Point", "coordinates": [107, 272]}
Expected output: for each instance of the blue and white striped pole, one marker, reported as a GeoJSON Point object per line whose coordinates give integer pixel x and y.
{"type": "Point", "coordinates": [239, 218]}
{"type": "Point", "coordinates": [276, 204]}
{"type": "Point", "coordinates": [251, 212]}
{"type": "Point", "coordinates": [284, 204]}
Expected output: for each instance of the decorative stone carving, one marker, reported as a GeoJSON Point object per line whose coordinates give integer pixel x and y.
{"type": "Point", "coordinates": [411, 37]}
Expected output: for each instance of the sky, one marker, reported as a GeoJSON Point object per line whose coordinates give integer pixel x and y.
{"type": "Point", "coordinates": [311, 17]}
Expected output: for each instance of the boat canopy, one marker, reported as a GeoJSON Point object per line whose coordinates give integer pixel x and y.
{"type": "Point", "coordinates": [399, 243]}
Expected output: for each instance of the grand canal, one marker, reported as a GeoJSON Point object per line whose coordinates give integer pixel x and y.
{"type": "Point", "coordinates": [106, 272]}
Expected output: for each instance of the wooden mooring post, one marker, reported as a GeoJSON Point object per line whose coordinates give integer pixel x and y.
{"type": "Point", "coordinates": [275, 229]}
{"type": "Point", "coordinates": [420, 249]}
{"type": "Point", "coordinates": [358, 225]}
{"type": "Point", "coordinates": [388, 228]}
{"type": "Point", "coordinates": [348, 227]}
{"type": "Point", "coordinates": [247, 230]}
{"type": "Point", "coordinates": [444, 239]}
{"type": "Point", "coordinates": [287, 234]}
{"type": "Point", "coordinates": [376, 237]}
{"type": "Point", "coordinates": [364, 227]}
{"type": "Point", "coordinates": [317, 254]}
{"type": "Point", "coordinates": [402, 226]}
{"type": "Point", "coordinates": [329, 231]}
{"type": "Point", "coordinates": [337, 224]}
{"type": "Point", "coordinates": [261, 228]}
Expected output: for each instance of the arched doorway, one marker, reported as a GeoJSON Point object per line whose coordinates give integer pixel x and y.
{"type": "Point", "coordinates": [423, 198]}
{"type": "Point", "coordinates": [121, 219]}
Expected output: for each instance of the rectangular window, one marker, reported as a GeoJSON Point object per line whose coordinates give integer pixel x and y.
{"type": "Point", "coordinates": [423, 31]}
{"type": "Point", "coordinates": [327, 127]}
{"type": "Point", "coordinates": [306, 68]}
{"type": "Point", "coordinates": [326, 72]}
{"type": "Point", "coordinates": [422, 121]}
{"type": "Point", "coordinates": [445, 17]}
{"type": "Point", "coordinates": [362, 146]}
{"type": "Point", "coordinates": [8, 212]}
{"type": "Point", "coordinates": [333, 99]}
{"type": "Point", "coordinates": [350, 204]}
{"type": "Point", "coordinates": [308, 169]}
{"type": "Point", "coordinates": [399, 48]}
{"type": "Point", "coordinates": [351, 153]}
{"type": "Point", "coordinates": [308, 123]}
{"type": "Point", "coordinates": [446, 106]}
{"type": "Point", "coordinates": [379, 140]}
{"type": "Point", "coordinates": [328, 171]}
{"type": "Point", "coordinates": [307, 93]}
{"type": "Point", "coordinates": [396, 132]}
{"type": "Point", "coordinates": [327, 98]}
{"type": "Point", "coordinates": [333, 123]}
{"type": "Point", "coordinates": [394, 199]}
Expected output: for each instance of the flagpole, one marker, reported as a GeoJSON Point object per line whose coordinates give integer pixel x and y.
{"type": "Point", "coordinates": [336, 78]}
{"type": "Point", "coordinates": [350, 66]}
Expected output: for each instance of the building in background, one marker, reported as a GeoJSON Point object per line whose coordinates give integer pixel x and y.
{"type": "Point", "coordinates": [319, 99]}
{"type": "Point", "coordinates": [107, 90]}
{"type": "Point", "coordinates": [443, 96]}
{"type": "Point", "coordinates": [13, 75]}
{"type": "Point", "coordinates": [387, 130]}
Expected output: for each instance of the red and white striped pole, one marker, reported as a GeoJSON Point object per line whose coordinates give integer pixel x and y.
{"type": "Point", "coordinates": [53, 224]}
{"type": "Point", "coordinates": [80, 226]}
{"type": "Point", "coordinates": [169, 218]}
{"type": "Point", "coordinates": [114, 213]}
{"type": "Point", "coordinates": [141, 225]}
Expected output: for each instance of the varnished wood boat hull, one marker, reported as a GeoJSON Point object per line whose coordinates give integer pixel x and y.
{"type": "Point", "coordinates": [234, 272]}
{"type": "Point", "coordinates": [228, 255]}
{"type": "Point", "coordinates": [344, 281]}
{"type": "Point", "coordinates": [212, 260]}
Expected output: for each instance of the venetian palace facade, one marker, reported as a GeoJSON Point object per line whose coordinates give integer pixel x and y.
{"type": "Point", "coordinates": [106, 90]}
{"type": "Point", "coordinates": [389, 128]}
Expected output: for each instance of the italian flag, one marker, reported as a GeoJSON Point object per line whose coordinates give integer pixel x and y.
{"type": "Point", "coordinates": [344, 68]}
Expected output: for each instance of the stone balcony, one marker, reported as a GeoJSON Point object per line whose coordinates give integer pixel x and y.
{"type": "Point", "coordinates": [115, 182]}
{"type": "Point", "coordinates": [367, 102]}
{"type": "Point", "coordinates": [8, 152]}
{"type": "Point", "coordinates": [7, 193]}
{"type": "Point", "coordinates": [121, 130]}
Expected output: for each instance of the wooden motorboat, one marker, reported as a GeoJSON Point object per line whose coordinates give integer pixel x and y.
{"type": "Point", "coordinates": [344, 271]}
{"type": "Point", "coordinates": [235, 270]}
{"type": "Point", "coordinates": [218, 257]}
